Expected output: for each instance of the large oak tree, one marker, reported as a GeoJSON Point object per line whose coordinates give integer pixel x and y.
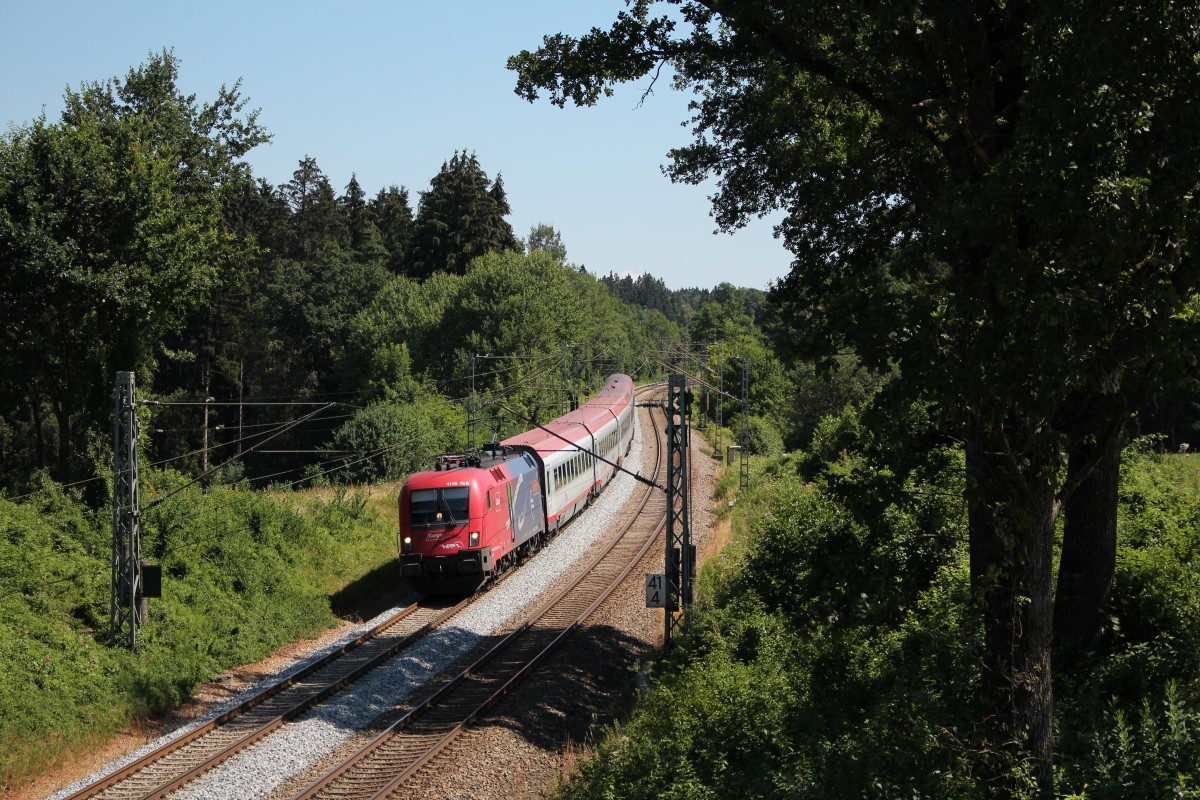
{"type": "Point", "coordinates": [998, 199]}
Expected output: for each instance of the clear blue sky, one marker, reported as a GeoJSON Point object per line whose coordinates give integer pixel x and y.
{"type": "Point", "coordinates": [388, 90]}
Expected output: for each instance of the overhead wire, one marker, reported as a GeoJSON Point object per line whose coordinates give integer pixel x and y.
{"type": "Point", "coordinates": [549, 362]}
{"type": "Point", "coordinates": [202, 476]}
{"type": "Point", "coordinates": [184, 546]}
{"type": "Point", "coordinates": [29, 588]}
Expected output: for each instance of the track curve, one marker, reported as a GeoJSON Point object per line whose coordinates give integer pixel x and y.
{"type": "Point", "coordinates": [392, 757]}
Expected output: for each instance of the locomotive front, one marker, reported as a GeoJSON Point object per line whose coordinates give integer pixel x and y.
{"type": "Point", "coordinates": [460, 522]}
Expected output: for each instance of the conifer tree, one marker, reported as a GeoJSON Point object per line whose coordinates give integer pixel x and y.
{"type": "Point", "coordinates": [459, 218]}
{"type": "Point", "coordinates": [315, 216]}
{"type": "Point", "coordinates": [394, 218]}
{"type": "Point", "coordinates": [365, 239]}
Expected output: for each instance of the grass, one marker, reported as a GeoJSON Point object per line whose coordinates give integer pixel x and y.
{"type": "Point", "coordinates": [243, 573]}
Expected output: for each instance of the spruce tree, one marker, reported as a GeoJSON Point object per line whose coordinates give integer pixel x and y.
{"type": "Point", "coordinates": [394, 218]}
{"type": "Point", "coordinates": [365, 238]}
{"type": "Point", "coordinates": [459, 218]}
{"type": "Point", "coordinates": [315, 218]}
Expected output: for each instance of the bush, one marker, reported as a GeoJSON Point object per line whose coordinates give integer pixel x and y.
{"type": "Point", "coordinates": [847, 596]}
{"type": "Point", "coordinates": [715, 726]}
{"type": "Point", "coordinates": [400, 437]}
{"type": "Point", "coordinates": [243, 573]}
{"type": "Point", "coordinates": [1152, 750]}
{"type": "Point", "coordinates": [764, 437]}
{"type": "Point", "coordinates": [830, 642]}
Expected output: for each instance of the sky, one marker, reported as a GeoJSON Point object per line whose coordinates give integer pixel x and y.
{"type": "Point", "coordinates": [388, 91]}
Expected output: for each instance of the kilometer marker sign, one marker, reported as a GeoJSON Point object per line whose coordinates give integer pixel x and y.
{"type": "Point", "coordinates": [656, 591]}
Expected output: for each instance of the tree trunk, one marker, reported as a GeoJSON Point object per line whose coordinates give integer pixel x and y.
{"type": "Point", "coordinates": [1011, 513]}
{"type": "Point", "coordinates": [62, 413]}
{"type": "Point", "coordinates": [35, 412]}
{"type": "Point", "coordinates": [1089, 549]}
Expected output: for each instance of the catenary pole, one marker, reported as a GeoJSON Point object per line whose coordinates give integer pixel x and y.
{"type": "Point", "coordinates": [125, 612]}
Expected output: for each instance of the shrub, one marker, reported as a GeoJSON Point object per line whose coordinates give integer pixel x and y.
{"type": "Point", "coordinates": [1149, 750]}
{"type": "Point", "coordinates": [243, 573]}
{"type": "Point", "coordinates": [400, 437]}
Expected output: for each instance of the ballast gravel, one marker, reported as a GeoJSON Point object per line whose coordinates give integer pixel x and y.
{"type": "Point", "coordinates": [289, 751]}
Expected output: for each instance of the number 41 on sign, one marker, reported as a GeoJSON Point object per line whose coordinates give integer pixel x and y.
{"type": "Point", "coordinates": [656, 591]}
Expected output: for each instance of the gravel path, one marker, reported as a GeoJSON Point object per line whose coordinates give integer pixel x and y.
{"type": "Point", "coordinates": [289, 752]}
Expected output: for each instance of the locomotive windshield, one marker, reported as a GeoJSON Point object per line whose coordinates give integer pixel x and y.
{"type": "Point", "coordinates": [450, 506]}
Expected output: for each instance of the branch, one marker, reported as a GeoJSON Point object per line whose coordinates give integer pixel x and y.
{"type": "Point", "coordinates": [772, 43]}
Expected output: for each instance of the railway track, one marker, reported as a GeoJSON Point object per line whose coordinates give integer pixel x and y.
{"type": "Point", "coordinates": [396, 754]}
{"type": "Point", "coordinates": [180, 761]}
{"type": "Point", "coordinates": [170, 767]}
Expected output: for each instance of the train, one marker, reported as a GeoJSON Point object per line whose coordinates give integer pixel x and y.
{"type": "Point", "coordinates": [475, 515]}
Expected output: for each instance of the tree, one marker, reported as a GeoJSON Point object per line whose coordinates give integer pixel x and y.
{"type": "Point", "coordinates": [520, 310]}
{"type": "Point", "coordinates": [316, 220]}
{"type": "Point", "coordinates": [111, 224]}
{"type": "Point", "coordinates": [545, 237]}
{"type": "Point", "coordinates": [459, 218]}
{"type": "Point", "coordinates": [994, 198]}
{"type": "Point", "coordinates": [365, 239]}
{"type": "Point", "coordinates": [394, 219]}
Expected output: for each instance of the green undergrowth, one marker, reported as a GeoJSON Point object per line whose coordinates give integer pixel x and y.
{"type": "Point", "coordinates": [831, 654]}
{"type": "Point", "coordinates": [243, 573]}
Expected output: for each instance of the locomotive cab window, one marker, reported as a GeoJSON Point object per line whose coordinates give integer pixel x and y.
{"type": "Point", "coordinates": [449, 506]}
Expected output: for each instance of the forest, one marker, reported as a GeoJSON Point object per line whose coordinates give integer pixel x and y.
{"type": "Point", "coordinates": [136, 239]}
{"type": "Point", "coordinates": [291, 345]}
{"type": "Point", "coordinates": [969, 398]}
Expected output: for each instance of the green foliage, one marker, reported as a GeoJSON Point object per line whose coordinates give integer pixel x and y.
{"type": "Point", "coordinates": [649, 293]}
{"type": "Point", "coordinates": [1153, 751]}
{"type": "Point", "coordinates": [110, 227]}
{"type": "Point", "coordinates": [545, 237]}
{"type": "Point", "coordinates": [393, 218]}
{"type": "Point", "coordinates": [1127, 719]}
{"type": "Point", "coordinates": [764, 438]}
{"type": "Point", "coordinates": [460, 218]}
{"type": "Point", "coordinates": [735, 348]}
{"type": "Point", "coordinates": [833, 641]}
{"type": "Point", "coordinates": [132, 236]}
{"type": "Point", "coordinates": [243, 573]}
{"type": "Point", "coordinates": [523, 310]}
{"type": "Point", "coordinates": [391, 373]}
{"type": "Point", "coordinates": [847, 596]}
{"type": "Point", "coordinates": [715, 727]}
{"type": "Point", "coordinates": [393, 439]}
{"type": "Point", "coordinates": [979, 195]}
{"type": "Point", "coordinates": [820, 393]}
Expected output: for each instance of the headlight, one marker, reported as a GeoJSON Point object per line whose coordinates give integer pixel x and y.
{"type": "Point", "coordinates": [474, 538]}
{"type": "Point", "coordinates": [408, 544]}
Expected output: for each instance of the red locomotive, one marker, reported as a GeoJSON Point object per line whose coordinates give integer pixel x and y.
{"type": "Point", "coordinates": [472, 516]}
